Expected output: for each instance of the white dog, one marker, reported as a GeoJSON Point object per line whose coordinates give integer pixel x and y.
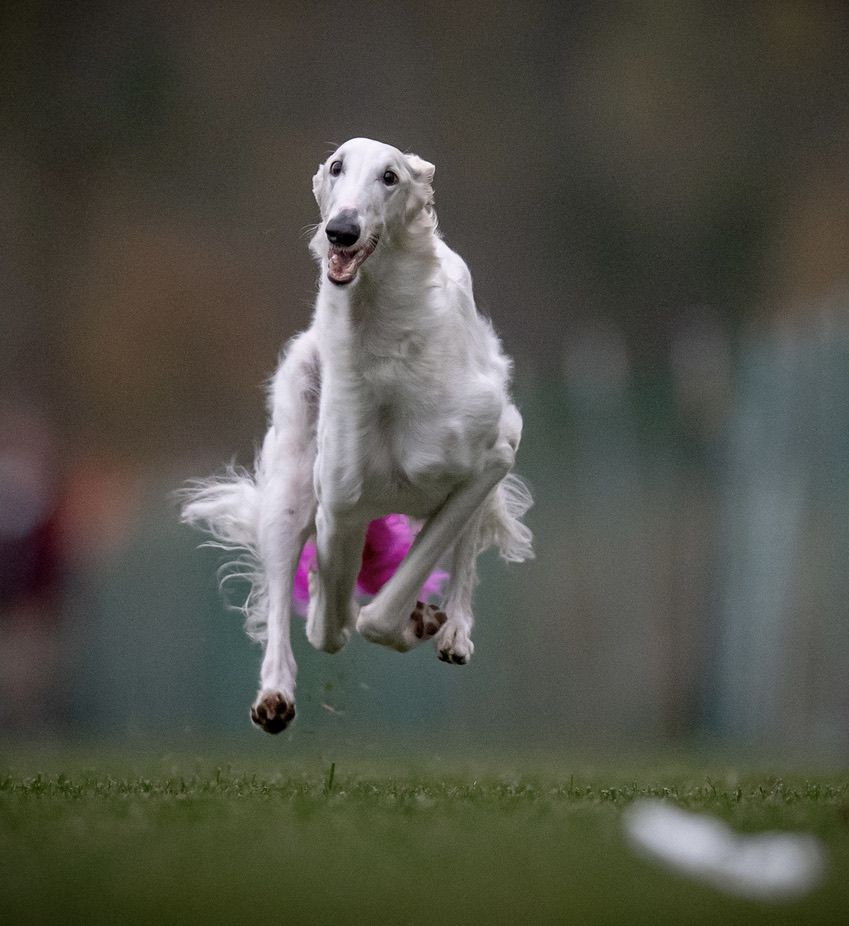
{"type": "Point", "coordinates": [395, 400]}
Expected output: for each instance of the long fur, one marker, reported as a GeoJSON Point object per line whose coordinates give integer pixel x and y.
{"type": "Point", "coordinates": [502, 525]}
{"type": "Point", "coordinates": [394, 403]}
{"type": "Point", "coordinates": [227, 508]}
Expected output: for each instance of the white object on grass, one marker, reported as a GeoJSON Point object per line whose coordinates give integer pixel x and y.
{"type": "Point", "coordinates": [764, 866]}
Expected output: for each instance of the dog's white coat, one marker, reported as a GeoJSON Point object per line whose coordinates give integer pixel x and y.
{"type": "Point", "coordinates": [396, 399]}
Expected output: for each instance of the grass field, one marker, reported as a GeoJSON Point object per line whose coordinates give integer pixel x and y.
{"type": "Point", "coordinates": [395, 842]}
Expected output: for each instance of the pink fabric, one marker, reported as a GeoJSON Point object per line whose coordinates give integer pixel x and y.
{"type": "Point", "coordinates": [387, 542]}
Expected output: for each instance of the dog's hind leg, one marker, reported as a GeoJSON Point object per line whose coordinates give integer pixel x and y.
{"type": "Point", "coordinates": [286, 519]}
{"type": "Point", "coordinates": [496, 523]}
{"type": "Point", "coordinates": [388, 619]}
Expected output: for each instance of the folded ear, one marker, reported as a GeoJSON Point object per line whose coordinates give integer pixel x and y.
{"type": "Point", "coordinates": [422, 170]}
{"type": "Point", "coordinates": [319, 187]}
{"type": "Point", "coordinates": [421, 190]}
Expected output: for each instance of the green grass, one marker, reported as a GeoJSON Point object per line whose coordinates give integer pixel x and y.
{"type": "Point", "coordinates": [385, 842]}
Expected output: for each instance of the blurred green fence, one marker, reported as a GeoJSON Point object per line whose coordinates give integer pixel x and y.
{"type": "Point", "coordinates": [692, 536]}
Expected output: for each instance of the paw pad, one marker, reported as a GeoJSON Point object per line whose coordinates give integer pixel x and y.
{"type": "Point", "coordinates": [456, 659]}
{"type": "Point", "coordinates": [272, 712]}
{"type": "Point", "coordinates": [427, 619]}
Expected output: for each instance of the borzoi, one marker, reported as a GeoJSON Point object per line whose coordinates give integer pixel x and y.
{"type": "Point", "coordinates": [395, 400]}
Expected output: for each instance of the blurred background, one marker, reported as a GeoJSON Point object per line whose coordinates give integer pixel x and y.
{"type": "Point", "coordinates": [654, 202]}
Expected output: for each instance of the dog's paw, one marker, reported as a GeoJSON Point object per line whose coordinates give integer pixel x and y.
{"type": "Point", "coordinates": [426, 620]}
{"type": "Point", "coordinates": [273, 711]}
{"type": "Point", "coordinates": [321, 633]}
{"type": "Point", "coordinates": [321, 638]}
{"type": "Point", "coordinates": [454, 644]}
{"type": "Point", "coordinates": [421, 625]}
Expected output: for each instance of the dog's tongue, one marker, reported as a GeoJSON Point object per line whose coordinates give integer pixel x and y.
{"type": "Point", "coordinates": [342, 265]}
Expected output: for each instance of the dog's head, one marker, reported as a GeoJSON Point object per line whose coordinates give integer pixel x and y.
{"type": "Point", "coordinates": [366, 191]}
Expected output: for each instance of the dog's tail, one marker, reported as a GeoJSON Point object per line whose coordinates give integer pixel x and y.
{"type": "Point", "coordinates": [227, 508]}
{"type": "Point", "coordinates": [502, 525]}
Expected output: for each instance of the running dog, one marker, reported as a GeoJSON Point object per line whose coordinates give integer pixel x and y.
{"type": "Point", "coordinates": [395, 402]}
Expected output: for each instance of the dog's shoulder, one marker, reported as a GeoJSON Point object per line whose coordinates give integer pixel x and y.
{"type": "Point", "coordinates": [453, 266]}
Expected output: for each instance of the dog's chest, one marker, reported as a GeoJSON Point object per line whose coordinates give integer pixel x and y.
{"type": "Point", "coordinates": [422, 432]}
{"type": "Point", "coordinates": [405, 417]}
{"type": "Point", "coordinates": [408, 466]}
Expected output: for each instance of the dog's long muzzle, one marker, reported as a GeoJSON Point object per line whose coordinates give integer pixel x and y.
{"type": "Point", "coordinates": [347, 251]}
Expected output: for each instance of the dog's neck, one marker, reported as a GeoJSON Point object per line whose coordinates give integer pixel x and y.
{"type": "Point", "coordinates": [388, 300]}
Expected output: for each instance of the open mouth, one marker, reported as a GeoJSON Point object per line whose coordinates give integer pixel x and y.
{"type": "Point", "coordinates": [343, 263]}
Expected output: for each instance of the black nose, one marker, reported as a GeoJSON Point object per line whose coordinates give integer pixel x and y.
{"type": "Point", "coordinates": [343, 229]}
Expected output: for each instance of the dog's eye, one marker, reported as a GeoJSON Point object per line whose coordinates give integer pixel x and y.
{"type": "Point", "coordinates": [390, 178]}
{"type": "Point", "coordinates": [335, 168]}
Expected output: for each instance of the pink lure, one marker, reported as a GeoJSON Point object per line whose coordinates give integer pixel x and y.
{"type": "Point", "coordinates": [387, 541]}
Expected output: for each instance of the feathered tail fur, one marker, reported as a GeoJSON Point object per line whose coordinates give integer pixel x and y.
{"type": "Point", "coordinates": [227, 508]}
{"type": "Point", "coordinates": [502, 525]}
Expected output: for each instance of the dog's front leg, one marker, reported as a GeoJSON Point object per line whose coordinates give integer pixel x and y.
{"type": "Point", "coordinates": [285, 523]}
{"type": "Point", "coordinates": [389, 618]}
{"type": "Point", "coordinates": [332, 611]}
